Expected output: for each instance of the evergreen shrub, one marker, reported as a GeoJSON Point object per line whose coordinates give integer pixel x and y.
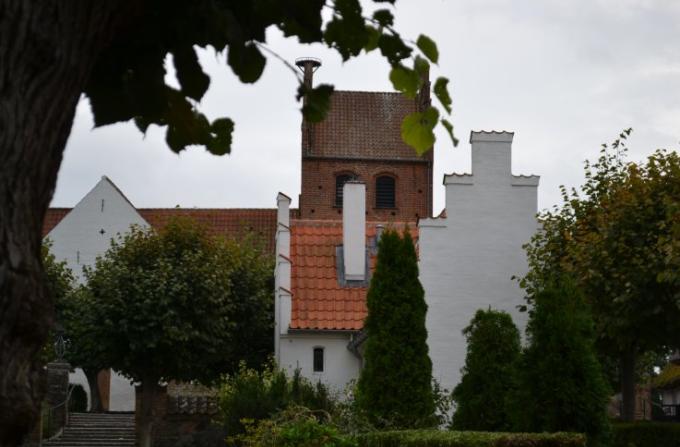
{"type": "Point", "coordinates": [489, 375]}
{"type": "Point", "coordinates": [395, 386]}
{"type": "Point", "coordinates": [433, 438]}
{"type": "Point", "coordinates": [646, 434]}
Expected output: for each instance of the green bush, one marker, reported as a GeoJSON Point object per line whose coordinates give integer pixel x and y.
{"type": "Point", "coordinates": [295, 427]}
{"type": "Point", "coordinates": [646, 434]}
{"type": "Point", "coordinates": [489, 374]}
{"type": "Point", "coordinates": [251, 395]}
{"type": "Point", "coordinates": [561, 383]}
{"type": "Point", "coordinates": [432, 438]}
{"type": "Point", "coordinates": [78, 401]}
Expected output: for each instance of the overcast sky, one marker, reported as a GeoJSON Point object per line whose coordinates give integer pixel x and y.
{"type": "Point", "coordinates": [565, 76]}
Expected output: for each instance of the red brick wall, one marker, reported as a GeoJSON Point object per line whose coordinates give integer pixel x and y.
{"type": "Point", "coordinates": [413, 198]}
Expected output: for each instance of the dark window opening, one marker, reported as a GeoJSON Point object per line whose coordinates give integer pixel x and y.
{"type": "Point", "coordinates": [384, 192]}
{"type": "Point", "coordinates": [318, 359]}
{"type": "Point", "coordinates": [340, 181]}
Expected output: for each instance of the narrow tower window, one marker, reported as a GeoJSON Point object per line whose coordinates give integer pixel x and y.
{"type": "Point", "coordinates": [340, 181]}
{"type": "Point", "coordinates": [384, 192]}
{"type": "Point", "coordinates": [318, 359]}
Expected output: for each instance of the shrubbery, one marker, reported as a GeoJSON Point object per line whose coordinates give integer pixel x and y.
{"type": "Point", "coordinates": [432, 438]}
{"type": "Point", "coordinates": [251, 395]}
{"type": "Point", "coordinates": [489, 375]}
{"type": "Point", "coordinates": [78, 400]}
{"type": "Point", "coordinates": [646, 434]}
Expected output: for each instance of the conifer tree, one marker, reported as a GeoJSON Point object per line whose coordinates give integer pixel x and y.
{"type": "Point", "coordinates": [395, 387]}
{"type": "Point", "coordinates": [562, 387]}
{"type": "Point", "coordinates": [489, 374]}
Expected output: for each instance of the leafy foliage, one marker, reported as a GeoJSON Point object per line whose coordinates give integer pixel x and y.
{"type": "Point", "coordinates": [251, 395]}
{"type": "Point", "coordinates": [128, 80]}
{"type": "Point", "coordinates": [395, 386]}
{"type": "Point", "coordinates": [179, 304]}
{"type": "Point", "coordinates": [295, 427]}
{"type": "Point", "coordinates": [489, 374]}
{"type": "Point", "coordinates": [562, 387]}
{"type": "Point", "coordinates": [432, 438]}
{"type": "Point", "coordinates": [618, 239]}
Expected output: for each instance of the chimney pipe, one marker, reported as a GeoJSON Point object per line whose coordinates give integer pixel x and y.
{"type": "Point", "coordinates": [354, 230]}
{"type": "Point", "coordinates": [308, 66]}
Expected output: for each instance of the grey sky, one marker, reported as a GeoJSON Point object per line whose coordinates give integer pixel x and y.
{"type": "Point", "coordinates": [565, 76]}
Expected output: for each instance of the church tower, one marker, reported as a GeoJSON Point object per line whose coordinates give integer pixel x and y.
{"type": "Point", "coordinates": [360, 139]}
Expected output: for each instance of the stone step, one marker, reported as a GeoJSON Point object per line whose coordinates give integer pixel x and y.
{"type": "Point", "coordinates": [97, 430]}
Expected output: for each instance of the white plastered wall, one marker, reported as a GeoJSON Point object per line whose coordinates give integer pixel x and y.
{"type": "Point", "coordinates": [82, 235]}
{"type": "Point", "coordinates": [468, 259]}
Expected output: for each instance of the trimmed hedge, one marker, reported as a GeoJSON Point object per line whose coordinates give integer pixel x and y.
{"type": "Point", "coordinates": [646, 434]}
{"type": "Point", "coordinates": [433, 438]}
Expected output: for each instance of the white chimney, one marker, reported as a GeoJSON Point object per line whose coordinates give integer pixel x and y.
{"type": "Point", "coordinates": [354, 230]}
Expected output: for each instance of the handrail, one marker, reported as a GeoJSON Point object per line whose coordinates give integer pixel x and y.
{"type": "Point", "coordinates": [51, 410]}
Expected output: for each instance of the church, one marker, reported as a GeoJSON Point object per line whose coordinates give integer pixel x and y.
{"type": "Point", "coordinates": [358, 178]}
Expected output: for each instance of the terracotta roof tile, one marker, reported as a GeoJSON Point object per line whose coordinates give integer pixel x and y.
{"type": "Point", "coordinates": [319, 302]}
{"type": "Point", "coordinates": [364, 125]}
{"type": "Point", "coordinates": [232, 222]}
{"type": "Point", "coordinates": [52, 218]}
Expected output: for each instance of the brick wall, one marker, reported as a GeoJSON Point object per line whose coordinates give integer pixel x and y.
{"type": "Point", "coordinates": [413, 190]}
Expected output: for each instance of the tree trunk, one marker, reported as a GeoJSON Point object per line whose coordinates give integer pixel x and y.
{"type": "Point", "coordinates": [144, 430]}
{"type": "Point", "coordinates": [93, 382]}
{"type": "Point", "coordinates": [628, 385]}
{"type": "Point", "coordinates": [47, 50]}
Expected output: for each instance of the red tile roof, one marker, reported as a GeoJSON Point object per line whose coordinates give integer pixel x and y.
{"type": "Point", "coordinates": [234, 222]}
{"type": "Point", "coordinates": [319, 302]}
{"type": "Point", "coordinates": [52, 218]}
{"type": "Point", "coordinates": [364, 125]}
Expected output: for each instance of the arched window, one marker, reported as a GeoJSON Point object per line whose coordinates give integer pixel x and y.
{"type": "Point", "coordinates": [318, 359]}
{"type": "Point", "coordinates": [340, 181]}
{"type": "Point", "coordinates": [384, 192]}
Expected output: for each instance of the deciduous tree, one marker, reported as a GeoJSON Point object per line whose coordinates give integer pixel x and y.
{"type": "Point", "coordinates": [173, 304]}
{"type": "Point", "coordinates": [618, 239]}
{"type": "Point", "coordinates": [114, 52]}
{"type": "Point", "coordinates": [395, 386]}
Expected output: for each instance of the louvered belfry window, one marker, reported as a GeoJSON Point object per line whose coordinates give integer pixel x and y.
{"type": "Point", "coordinates": [340, 181]}
{"type": "Point", "coordinates": [384, 192]}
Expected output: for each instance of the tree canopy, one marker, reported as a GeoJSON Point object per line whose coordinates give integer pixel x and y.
{"type": "Point", "coordinates": [128, 79]}
{"type": "Point", "coordinates": [618, 239]}
{"type": "Point", "coordinates": [395, 385]}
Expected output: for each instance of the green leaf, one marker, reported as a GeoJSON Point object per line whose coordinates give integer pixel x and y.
{"type": "Point", "coordinates": [246, 61]}
{"type": "Point", "coordinates": [441, 91]}
{"type": "Point", "coordinates": [421, 66]}
{"type": "Point", "coordinates": [384, 17]}
{"type": "Point", "coordinates": [417, 129]}
{"type": "Point", "coordinates": [373, 37]}
{"type": "Point", "coordinates": [221, 130]}
{"type": "Point", "coordinates": [405, 80]}
{"type": "Point", "coordinates": [449, 129]}
{"type": "Point", "coordinates": [393, 48]}
{"type": "Point", "coordinates": [317, 102]}
{"type": "Point", "coordinates": [190, 75]}
{"type": "Point", "coordinates": [428, 47]}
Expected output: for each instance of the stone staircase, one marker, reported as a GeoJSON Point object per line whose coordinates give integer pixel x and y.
{"type": "Point", "coordinates": [96, 430]}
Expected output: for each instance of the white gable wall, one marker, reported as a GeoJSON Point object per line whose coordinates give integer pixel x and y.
{"type": "Point", "coordinates": [467, 259]}
{"type": "Point", "coordinates": [78, 239]}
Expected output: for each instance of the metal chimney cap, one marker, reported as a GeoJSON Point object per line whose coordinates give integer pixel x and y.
{"type": "Point", "coordinates": [302, 61]}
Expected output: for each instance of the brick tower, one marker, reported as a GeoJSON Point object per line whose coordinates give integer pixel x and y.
{"type": "Point", "coordinates": [360, 139]}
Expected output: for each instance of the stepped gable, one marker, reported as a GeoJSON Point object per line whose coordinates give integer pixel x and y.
{"type": "Point", "coordinates": [319, 301]}
{"type": "Point", "coordinates": [364, 125]}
